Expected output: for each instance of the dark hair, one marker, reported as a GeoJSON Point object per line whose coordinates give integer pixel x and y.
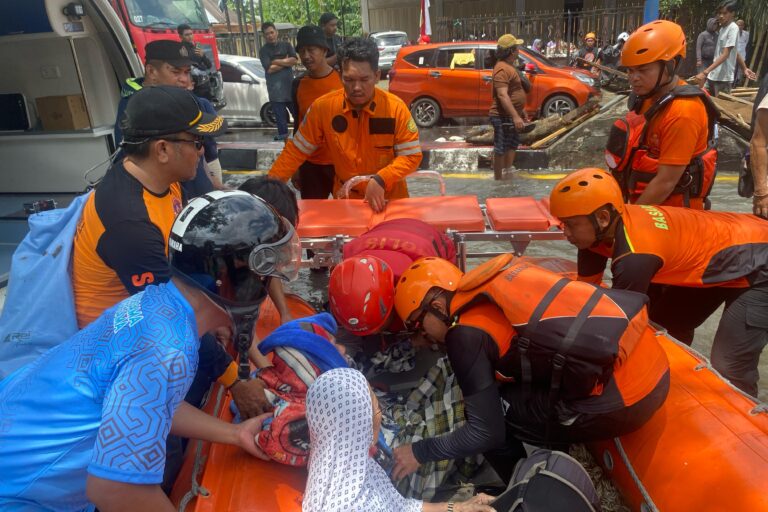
{"type": "Point", "coordinates": [327, 17]}
{"type": "Point", "coordinates": [360, 49]}
{"type": "Point", "coordinates": [728, 5]}
{"type": "Point", "coordinates": [503, 53]}
{"type": "Point", "coordinates": [181, 28]}
{"type": "Point", "coordinates": [275, 193]}
{"type": "Point", "coordinates": [266, 25]}
{"type": "Point", "coordinates": [138, 148]}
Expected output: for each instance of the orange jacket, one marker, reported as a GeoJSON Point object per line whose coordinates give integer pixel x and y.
{"type": "Point", "coordinates": [540, 308]}
{"type": "Point", "coordinates": [381, 138]}
{"type": "Point", "coordinates": [696, 248]}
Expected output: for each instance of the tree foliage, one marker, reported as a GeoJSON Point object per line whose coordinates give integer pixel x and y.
{"type": "Point", "coordinates": [295, 11]}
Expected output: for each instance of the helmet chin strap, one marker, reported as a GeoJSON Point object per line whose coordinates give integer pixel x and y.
{"type": "Point", "coordinates": [243, 320]}
{"type": "Point", "coordinates": [600, 233]}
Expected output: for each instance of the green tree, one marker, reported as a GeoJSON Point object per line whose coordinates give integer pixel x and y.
{"type": "Point", "coordinates": [295, 11]}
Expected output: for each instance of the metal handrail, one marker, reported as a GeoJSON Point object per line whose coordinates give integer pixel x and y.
{"type": "Point", "coordinates": [343, 192]}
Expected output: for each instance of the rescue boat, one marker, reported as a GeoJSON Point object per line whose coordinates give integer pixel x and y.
{"type": "Point", "coordinates": [705, 449]}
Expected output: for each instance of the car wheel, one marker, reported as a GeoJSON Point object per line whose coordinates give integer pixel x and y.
{"type": "Point", "coordinates": [558, 105]}
{"type": "Point", "coordinates": [426, 112]}
{"type": "Point", "coordinates": [267, 116]}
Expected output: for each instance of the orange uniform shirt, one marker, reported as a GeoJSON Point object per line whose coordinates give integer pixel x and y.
{"type": "Point", "coordinates": [678, 132]}
{"type": "Point", "coordinates": [380, 138]}
{"type": "Point", "coordinates": [121, 244]}
{"type": "Point", "coordinates": [307, 91]}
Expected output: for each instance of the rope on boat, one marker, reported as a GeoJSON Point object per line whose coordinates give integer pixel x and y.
{"type": "Point", "coordinates": [650, 505]}
{"type": "Point", "coordinates": [760, 406]}
{"type": "Point", "coordinates": [195, 488]}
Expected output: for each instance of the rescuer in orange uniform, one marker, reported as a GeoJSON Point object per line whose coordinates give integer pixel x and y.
{"type": "Point", "coordinates": [316, 175]}
{"type": "Point", "coordinates": [367, 131]}
{"type": "Point", "coordinates": [708, 257]}
{"type": "Point", "coordinates": [663, 151]}
{"type": "Point", "coordinates": [539, 357]}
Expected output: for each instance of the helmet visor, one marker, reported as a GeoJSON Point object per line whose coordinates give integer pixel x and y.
{"type": "Point", "coordinates": [278, 259]}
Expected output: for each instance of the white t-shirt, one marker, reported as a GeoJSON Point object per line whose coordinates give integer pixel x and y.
{"type": "Point", "coordinates": [727, 38]}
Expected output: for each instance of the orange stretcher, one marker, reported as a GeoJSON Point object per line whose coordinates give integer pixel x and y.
{"type": "Point", "coordinates": [326, 224]}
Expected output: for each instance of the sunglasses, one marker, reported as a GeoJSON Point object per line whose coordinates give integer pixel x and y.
{"type": "Point", "coordinates": [197, 142]}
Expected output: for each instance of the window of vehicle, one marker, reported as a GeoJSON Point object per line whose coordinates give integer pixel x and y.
{"type": "Point", "coordinates": [167, 13]}
{"type": "Point", "coordinates": [456, 58]}
{"type": "Point", "coordinates": [420, 59]}
{"type": "Point", "coordinates": [489, 58]}
{"type": "Point", "coordinates": [254, 67]}
{"type": "Point", "coordinates": [391, 39]}
{"type": "Point", "coordinates": [230, 73]}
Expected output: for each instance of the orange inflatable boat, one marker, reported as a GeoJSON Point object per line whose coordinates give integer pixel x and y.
{"type": "Point", "coordinates": [705, 449]}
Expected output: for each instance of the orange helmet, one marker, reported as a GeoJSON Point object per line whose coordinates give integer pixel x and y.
{"type": "Point", "coordinates": [590, 35]}
{"type": "Point", "coordinates": [423, 275]}
{"type": "Point", "coordinates": [659, 40]}
{"type": "Point", "coordinates": [584, 191]}
{"type": "Point", "coordinates": [361, 293]}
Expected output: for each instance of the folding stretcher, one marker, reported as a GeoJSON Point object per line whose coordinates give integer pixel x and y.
{"type": "Point", "coordinates": [326, 224]}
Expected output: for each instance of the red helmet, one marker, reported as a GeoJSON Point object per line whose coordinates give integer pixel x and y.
{"type": "Point", "coordinates": [362, 294]}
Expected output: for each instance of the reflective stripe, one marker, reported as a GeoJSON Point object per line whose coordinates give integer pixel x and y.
{"type": "Point", "coordinates": [413, 151]}
{"type": "Point", "coordinates": [304, 146]}
{"type": "Point", "coordinates": [403, 145]}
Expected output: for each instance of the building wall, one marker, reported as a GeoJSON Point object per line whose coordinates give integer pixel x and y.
{"type": "Point", "coordinates": [404, 15]}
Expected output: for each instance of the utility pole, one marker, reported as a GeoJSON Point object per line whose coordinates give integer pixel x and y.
{"type": "Point", "coordinates": [651, 11]}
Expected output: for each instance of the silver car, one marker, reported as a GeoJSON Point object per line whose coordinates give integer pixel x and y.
{"type": "Point", "coordinates": [245, 89]}
{"type": "Point", "coordinates": [389, 43]}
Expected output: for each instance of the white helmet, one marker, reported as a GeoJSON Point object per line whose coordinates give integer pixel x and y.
{"type": "Point", "coordinates": [622, 37]}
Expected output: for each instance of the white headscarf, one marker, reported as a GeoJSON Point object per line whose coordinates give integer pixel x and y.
{"type": "Point", "coordinates": [342, 477]}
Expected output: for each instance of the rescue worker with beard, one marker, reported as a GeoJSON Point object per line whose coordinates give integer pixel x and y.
{"type": "Point", "coordinates": [540, 358]}
{"type": "Point", "coordinates": [707, 259]}
{"type": "Point", "coordinates": [663, 152]}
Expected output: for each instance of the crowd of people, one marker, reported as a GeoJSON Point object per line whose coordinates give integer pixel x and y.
{"type": "Point", "coordinates": [169, 267]}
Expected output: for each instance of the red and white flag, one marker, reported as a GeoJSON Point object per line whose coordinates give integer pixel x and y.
{"type": "Point", "coordinates": [426, 26]}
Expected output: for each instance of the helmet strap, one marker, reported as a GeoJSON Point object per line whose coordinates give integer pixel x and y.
{"type": "Point", "coordinates": [671, 66]}
{"type": "Point", "coordinates": [243, 321]}
{"type": "Point", "coordinates": [600, 233]}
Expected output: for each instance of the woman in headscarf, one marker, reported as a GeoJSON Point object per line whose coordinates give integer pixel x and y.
{"type": "Point", "coordinates": [537, 46]}
{"type": "Point", "coordinates": [344, 420]}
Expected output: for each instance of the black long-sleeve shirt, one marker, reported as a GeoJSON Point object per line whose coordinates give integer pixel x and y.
{"type": "Point", "coordinates": [472, 354]}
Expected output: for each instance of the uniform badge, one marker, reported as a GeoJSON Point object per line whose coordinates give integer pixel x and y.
{"type": "Point", "coordinates": [412, 126]}
{"type": "Point", "coordinates": [339, 123]}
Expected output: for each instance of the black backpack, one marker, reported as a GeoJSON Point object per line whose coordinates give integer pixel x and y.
{"type": "Point", "coordinates": [549, 481]}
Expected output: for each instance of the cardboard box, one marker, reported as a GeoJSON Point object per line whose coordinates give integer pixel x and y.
{"type": "Point", "coordinates": [59, 113]}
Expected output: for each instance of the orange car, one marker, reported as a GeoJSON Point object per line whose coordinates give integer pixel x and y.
{"type": "Point", "coordinates": [454, 80]}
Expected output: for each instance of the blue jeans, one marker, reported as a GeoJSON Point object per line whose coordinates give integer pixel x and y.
{"type": "Point", "coordinates": [281, 109]}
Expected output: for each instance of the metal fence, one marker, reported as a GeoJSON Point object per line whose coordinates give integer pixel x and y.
{"type": "Point", "coordinates": [563, 30]}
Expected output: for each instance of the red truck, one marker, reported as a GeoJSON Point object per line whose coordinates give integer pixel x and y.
{"type": "Point", "coordinates": [150, 20]}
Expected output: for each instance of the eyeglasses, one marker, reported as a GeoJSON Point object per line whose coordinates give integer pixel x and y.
{"type": "Point", "coordinates": [197, 142]}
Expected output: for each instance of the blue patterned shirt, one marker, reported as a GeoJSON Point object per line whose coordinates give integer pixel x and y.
{"type": "Point", "coordinates": [100, 403]}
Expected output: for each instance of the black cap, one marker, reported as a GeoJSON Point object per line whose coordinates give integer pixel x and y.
{"type": "Point", "coordinates": [311, 35]}
{"type": "Point", "coordinates": [173, 52]}
{"type": "Point", "coordinates": [326, 17]}
{"type": "Point", "coordinates": [163, 110]}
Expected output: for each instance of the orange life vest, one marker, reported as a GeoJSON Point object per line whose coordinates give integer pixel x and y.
{"type": "Point", "coordinates": [575, 339]}
{"type": "Point", "coordinates": [631, 163]}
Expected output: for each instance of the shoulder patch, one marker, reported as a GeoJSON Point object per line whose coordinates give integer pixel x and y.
{"type": "Point", "coordinates": [412, 126]}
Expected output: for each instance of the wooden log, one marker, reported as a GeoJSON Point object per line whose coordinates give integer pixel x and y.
{"type": "Point", "coordinates": [604, 68]}
{"type": "Point", "coordinates": [561, 131]}
{"type": "Point", "coordinates": [545, 126]}
{"type": "Point", "coordinates": [734, 98]}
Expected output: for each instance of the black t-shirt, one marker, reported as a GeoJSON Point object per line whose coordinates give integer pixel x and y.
{"type": "Point", "coordinates": [278, 83]}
